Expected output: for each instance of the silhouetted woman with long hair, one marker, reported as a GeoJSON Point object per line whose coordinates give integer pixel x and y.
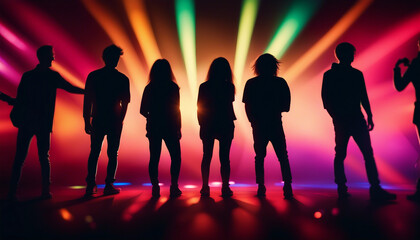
{"type": "Point", "coordinates": [216, 116]}
{"type": "Point", "coordinates": [160, 106]}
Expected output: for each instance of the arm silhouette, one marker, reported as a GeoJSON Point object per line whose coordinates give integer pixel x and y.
{"type": "Point", "coordinates": [366, 105]}
{"type": "Point", "coordinates": [7, 98]}
{"type": "Point", "coordinates": [285, 98]}
{"type": "Point", "coordinates": [63, 84]}
{"type": "Point", "coordinates": [87, 105]}
{"type": "Point", "coordinates": [145, 103]}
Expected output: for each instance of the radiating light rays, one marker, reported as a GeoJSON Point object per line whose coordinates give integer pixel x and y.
{"type": "Point", "coordinates": [293, 23]}
{"type": "Point", "coordinates": [44, 30]}
{"type": "Point", "coordinates": [137, 14]}
{"type": "Point", "coordinates": [246, 26]}
{"type": "Point", "coordinates": [117, 34]}
{"type": "Point", "coordinates": [398, 35]}
{"type": "Point", "coordinates": [67, 75]}
{"type": "Point", "coordinates": [28, 52]}
{"type": "Point", "coordinates": [327, 40]}
{"type": "Point", "coordinates": [12, 38]}
{"type": "Point", "coordinates": [185, 21]}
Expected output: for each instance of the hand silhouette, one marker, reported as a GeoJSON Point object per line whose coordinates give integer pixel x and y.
{"type": "Point", "coordinates": [404, 61]}
{"type": "Point", "coordinates": [370, 124]}
{"type": "Point", "coordinates": [88, 127]}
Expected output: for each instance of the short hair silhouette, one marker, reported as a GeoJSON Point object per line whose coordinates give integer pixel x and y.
{"type": "Point", "coordinates": [44, 53]}
{"type": "Point", "coordinates": [345, 52]}
{"type": "Point", "coordinates": [111, 55]}
{"type": "Point", "coordinates": [161, 72]}
{"type": "Point", "coordinates": [266, 64]}
{"type": "Point", "coordinates": [220, 71]}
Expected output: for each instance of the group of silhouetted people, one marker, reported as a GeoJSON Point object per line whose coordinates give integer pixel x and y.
{"type": "Point", "coordinates": [266, 96]}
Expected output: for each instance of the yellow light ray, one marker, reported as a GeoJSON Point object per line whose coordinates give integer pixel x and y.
{"type": "Point", "coordinates": [327, 40]}
{"type": "Point", "coordinates": [142, 28]}
{"type": "Point", "coordinates": [109, 23]}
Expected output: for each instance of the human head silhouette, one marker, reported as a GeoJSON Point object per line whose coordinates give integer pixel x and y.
{"type": "Point", "coordinates": [344, 52]}
{"type": "Point", "coordinates": [220, 70]}
{"type": "Point", "coordinates": [45, 55]}
{"type": "Point", "coordinates": [266, 65]}
{"type": "Point", "coordinates": [111, 55]}
{"type": "Point", "coordinates": [161, 72]}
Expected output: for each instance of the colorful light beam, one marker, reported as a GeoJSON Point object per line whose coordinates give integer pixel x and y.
{"type": "Point", "coordinates": [327, 40]}
{"type": "Point", "coordinates": [246, 27]}
{"type": "Point", "coordinates": [110, 25]}
{"type": "Point", "coordinates": [288, 30]}
{"type": "Point", "coordinates": [185, 20]}
{"type": "Point", "coordinates": [12, 38]}
{"type": "Point", "coordinates": [137, 14]}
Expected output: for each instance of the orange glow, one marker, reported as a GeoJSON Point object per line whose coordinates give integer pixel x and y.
{"type": "Point", "coordinates": [110, 25]}
{"type": "Point", "coordinates": [327, 40]}
{"type": "Point", "coordinates": [317, 215]}
{"type": "Point", "coordinates": [136, 11]}
{"type": "Point", "coordinates": [193, 200]}
{"type": "Point", "coordinates": [66, 215]}
{"type": "Point", "coordinates": [67, 75]}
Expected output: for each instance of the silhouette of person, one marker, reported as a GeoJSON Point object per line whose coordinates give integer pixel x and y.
{"type": "Point", "coordinates": [33, 114]}
{"type": "Point", "coordinates": [215, 116]}
{"type": "Point", "coordinates": [104, 108]}
{"type": "Point", "coordinates": [401, 82]}
{"type": "Point", "coordinates": [160, 106]}
{"type": "Point", "coordinates": [7, 98]}
{"type": "Point", "coordinates": [343, 90]}
{"type": "Point", "coordinates": [266, 96]}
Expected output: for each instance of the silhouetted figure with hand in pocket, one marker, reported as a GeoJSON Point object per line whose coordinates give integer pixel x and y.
{"type": "Point", "coordinates": [401, 82]}
{"type": "Point", "coordinates": [160, 106]}
{"type": "Point", "coordinates": [343, 90]}
{"type": "Point", "coordinates": [215, 116]}
{"type": "Point", "coordinates": [33, 114]}
{"type": "Point", "coordinates": [104, 109]}
{"type": "Point", "coordinates": [266, 96]}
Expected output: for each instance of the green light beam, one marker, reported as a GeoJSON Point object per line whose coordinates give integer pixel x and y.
{"type": "Point", "coordinates": [185, 21]}
{"type": "Point", "coordinates": [293, 23]}
{"type": "Point", "coordinates": [246, 26]}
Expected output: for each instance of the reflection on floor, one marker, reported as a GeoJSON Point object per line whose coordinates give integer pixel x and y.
{"type": "Point", "coordinates": [315, 214]}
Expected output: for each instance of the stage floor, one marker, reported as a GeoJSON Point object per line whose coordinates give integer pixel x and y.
{"type": "Point", "coordinates": [132, 214]}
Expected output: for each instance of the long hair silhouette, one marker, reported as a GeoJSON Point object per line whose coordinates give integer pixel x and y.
{"type": "Point", "coordinates": [161, 72]}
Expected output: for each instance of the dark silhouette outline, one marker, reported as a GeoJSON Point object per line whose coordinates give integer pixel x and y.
{"type": "Point", "coordinates": [7, 98]}
{"type": "Point", "coordinates": [266, 96]}
{"type": "Point", "coordinates": [160, 106]}
{"type": "Point", "coordinates": [33, 114]}
{"type": "Point", "coordinates": [343, 90]}
{"type": "Point", "coordinates": [216, 115]}
{"type": "Point", "coordinates": [104, 109]}
{"type": "Point", "coordinates": [401, 82]}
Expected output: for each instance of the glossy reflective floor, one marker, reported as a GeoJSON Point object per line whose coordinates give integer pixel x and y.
{"type": "Point", "coordinates": [315, 214]}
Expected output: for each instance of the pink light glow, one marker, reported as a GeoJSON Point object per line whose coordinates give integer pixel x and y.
{"type": "Point", "coordinates": [12, 38]}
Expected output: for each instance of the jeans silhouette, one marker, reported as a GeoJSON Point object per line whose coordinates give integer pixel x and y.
{"type": "Point", "coordinates": [356, 128]}
{"type": "Point", "coordinates": [24, 138]}
{"type": "Point", "coordinates": [113, 139]}
{"type": "Point", "coordinates": [224, 149]}
{"type": "Point", "coordinates": [174, 148]}
{"type": "Point", "coordinates": [274, 134]}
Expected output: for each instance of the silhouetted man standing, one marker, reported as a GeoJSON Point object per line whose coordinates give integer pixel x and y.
{"type": "Point", "coordinates": [343, 89]}
{"type": "Point", "coordinates": [266, 97]}
{"type": "Point", "coordinates": [33, 114]}
{"type": "Point", "coordinates": [105, 105]}
{"type": "Point", "coordinates": [401, 82]}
